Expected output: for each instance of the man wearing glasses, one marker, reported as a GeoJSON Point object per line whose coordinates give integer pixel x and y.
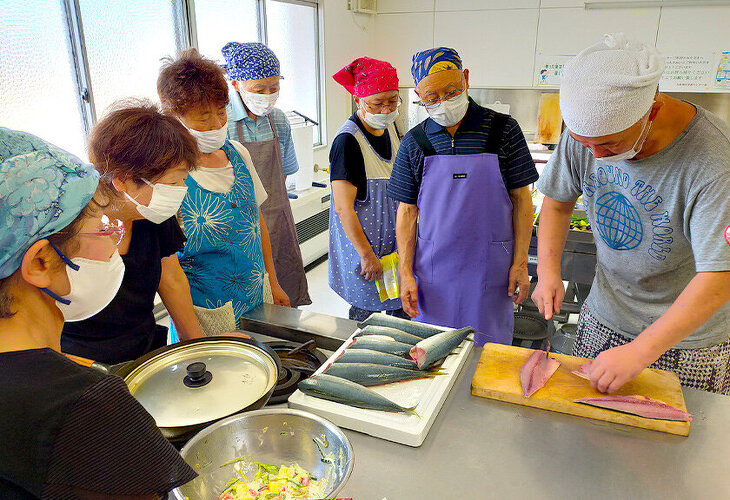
{"type": "Point", "coordinates": [464, 221]}
{"type": "Point", "coordinates": [362, 226]}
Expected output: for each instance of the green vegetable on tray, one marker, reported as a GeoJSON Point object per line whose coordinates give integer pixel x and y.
{"type": "Point", "coordinates": [576, 223]}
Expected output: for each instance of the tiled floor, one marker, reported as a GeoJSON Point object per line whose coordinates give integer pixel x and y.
{"type": "Point", "coordinates": [324, 300]}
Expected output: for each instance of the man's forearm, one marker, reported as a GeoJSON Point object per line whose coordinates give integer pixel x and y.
{"type": "Point", "coordinates": [552, 233]}
{"type": "Point", "coordinates": [703, 296]}
{"type": "Point", "coordinates": [405, 235]}
{"type": "Point", "coordinates": [522, 214]}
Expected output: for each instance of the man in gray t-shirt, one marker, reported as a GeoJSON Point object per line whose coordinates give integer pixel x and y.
{"type": "Point", "coordinates": [654, 174]}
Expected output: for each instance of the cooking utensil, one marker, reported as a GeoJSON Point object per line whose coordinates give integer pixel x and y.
{"type": "Point", "coordinates": [498, 377]}
{"type": "Point", "coordinates": [191, 384]}
{"type": "Point", "coordinates": [276, 436]}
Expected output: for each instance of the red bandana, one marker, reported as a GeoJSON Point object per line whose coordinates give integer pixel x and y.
{"type": "Point", "coordinates": [727, 235]}
{"type": "Point", "coordinates": [366, 76]}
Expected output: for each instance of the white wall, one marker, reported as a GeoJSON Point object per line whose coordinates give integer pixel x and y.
{"type": "Point", "coordinates": [347, 36]}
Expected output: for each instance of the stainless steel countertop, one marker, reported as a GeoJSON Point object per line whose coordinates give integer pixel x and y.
{"type": "Point", "coordinates": [481, 448]}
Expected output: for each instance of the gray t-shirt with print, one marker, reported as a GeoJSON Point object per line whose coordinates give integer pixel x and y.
{"type": "Point", "coordinates": [657, 222]}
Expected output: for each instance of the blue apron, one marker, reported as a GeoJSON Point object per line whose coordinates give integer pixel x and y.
{"type": "Point", "coordinates": [377, 217]}
{"type": "Point", "coordinates": [223, 258]}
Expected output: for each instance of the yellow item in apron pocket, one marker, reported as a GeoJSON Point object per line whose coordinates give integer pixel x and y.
{"type": "Point", "coordinates": [388, 284]}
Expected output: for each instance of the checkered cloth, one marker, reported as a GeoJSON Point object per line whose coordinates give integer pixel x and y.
{"type": "Point", "coordinates": [706, 368]}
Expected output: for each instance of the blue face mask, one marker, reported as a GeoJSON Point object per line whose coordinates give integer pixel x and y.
{"type": "Point", "coordinates": [94, 283]}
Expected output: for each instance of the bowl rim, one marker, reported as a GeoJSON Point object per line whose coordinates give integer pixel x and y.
{"type": "Point", "coordinates": [273, 411]}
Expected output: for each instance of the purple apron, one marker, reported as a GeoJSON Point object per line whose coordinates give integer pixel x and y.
{"type": "Point", "coordinates": [464, 246]}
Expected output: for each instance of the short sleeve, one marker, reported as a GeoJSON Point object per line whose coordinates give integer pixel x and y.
{"type": "Point", "coordinates": [258, 187]}
{"type": "Point", "coordinates": [561, 179]}
{"type": "Point", "coordinates": [709, 223]}
{"type": "Point", "coordinates": [288, 153]}
{"type": "Point", "coordinates": [519, 167]}
{"type": "Point", "coordinates": [109, 444]}
{"type": "Point", "coordinates": [171, 237]}
{"type": "Point", "coordinates": [405, 180]}
{"type": "Point", "coordinates": [347, 163]}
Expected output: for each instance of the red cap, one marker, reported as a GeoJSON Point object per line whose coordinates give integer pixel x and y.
{"type": "Point", "coordinates": [366, 76]}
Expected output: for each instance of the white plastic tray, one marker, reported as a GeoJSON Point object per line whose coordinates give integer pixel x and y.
{"type": "Point", "coordinates": [428, 394]}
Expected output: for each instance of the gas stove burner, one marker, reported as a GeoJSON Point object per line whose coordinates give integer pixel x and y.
{"type": "Point", "coordinates": [298, 361]}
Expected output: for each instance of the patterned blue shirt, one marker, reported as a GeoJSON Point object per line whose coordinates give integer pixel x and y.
{"type": "Point", "coordinates": [260, 130]}
{"type": "Point", "coordinates": [515, 161]}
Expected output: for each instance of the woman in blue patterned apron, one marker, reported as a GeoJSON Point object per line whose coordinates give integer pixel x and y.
{"type": "Point", "coordinates": [227, 256]}
{"type": "Point", "coordinates": [362, 225]}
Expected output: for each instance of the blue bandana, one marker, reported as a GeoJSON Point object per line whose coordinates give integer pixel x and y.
{"type": "Point", "coordinates": [432, 60]}
{"type": "Point", "coordinates": [42, 190]}
{"type": "Point", "coordinates": [250, 61]}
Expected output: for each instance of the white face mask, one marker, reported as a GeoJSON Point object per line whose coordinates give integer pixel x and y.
{"type": "Point", "coordinates": [635, 149]}
{"type": "Point", "coordinates": [259, 104]}
{"type": "Point", "coordinates": [379, 121]}
{"type": "Point", "coordinates": [165, 202]}
{"type": "Point", "coordinates": [210, 140]}
{"type": "Point", "coordinates": [450, 112]}
{"type": "Point", "coordinates": [94, 284]}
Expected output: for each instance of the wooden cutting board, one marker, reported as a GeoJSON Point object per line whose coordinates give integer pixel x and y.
{"type": "Point", "coordinates": [498, 377]}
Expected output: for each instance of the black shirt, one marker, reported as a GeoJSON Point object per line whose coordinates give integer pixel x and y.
{"type": "Point", "coordinates": [126, 328]}
{"type": "Point", "coordinates": [65, 429]}
{"type": "Point", "coordinates": [346, 160]}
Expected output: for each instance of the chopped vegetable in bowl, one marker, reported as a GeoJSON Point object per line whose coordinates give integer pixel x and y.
{"type": "Point", "coordinates": [273, 482]}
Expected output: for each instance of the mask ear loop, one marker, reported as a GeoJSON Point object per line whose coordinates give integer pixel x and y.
{"type": "Point", "coordinates": [70, 264]}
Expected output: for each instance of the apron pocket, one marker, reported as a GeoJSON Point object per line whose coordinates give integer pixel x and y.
{"type": "Point", "coordinates": [423, 260]}
{"type": "Point", "coordinates": [499, 260]}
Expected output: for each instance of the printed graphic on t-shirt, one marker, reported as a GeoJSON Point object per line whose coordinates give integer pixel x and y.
{"type": "Point", "coordinates": [727, 235]}
{"type": "Point", "coordinates": [620, 203]}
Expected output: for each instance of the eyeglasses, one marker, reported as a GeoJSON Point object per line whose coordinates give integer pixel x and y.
{"type": "Point", "coordinates": [378, 108]}
{"type": "Point", "coordinates": [111, 229]}
{"type": "Point", "coordinates": [446, 97]}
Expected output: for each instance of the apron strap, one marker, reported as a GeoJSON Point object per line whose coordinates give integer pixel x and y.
{"type": "Point", "coordinates": [419, 135]}
{"type": "Point", "coordinates": [496, 131]}
{"type": "Point", "coordinates": [273, 129]}
{"type": "Point", "coordinates": [239, 129]}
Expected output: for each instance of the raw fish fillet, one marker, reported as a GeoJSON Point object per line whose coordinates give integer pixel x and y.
{"type": "Point", "coordinates": [536, 371]}
{"type": "Point", "coordinates": [638, 405]}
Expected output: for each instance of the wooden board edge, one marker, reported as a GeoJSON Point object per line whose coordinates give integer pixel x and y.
{"type": "Point", "coordinates": [666, 426]}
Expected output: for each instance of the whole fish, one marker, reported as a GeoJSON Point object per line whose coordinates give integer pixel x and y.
{"type": "Point", "coordinates": [435, 348]}
{"type": "Point", "coordinates": [380, 344]}
{"type": "Point", "coordinates": [536, 371]}
{"type": "Point", "coordinates": [638, 405]}
{"type": "Point", "coordinates": [375, 357]}
{"type": "Point", "coordinates": [394, 333]}
{"type": "Point", "coordinates": [412, 327]}
{"type": "Point", "coordinates": [343, 391]}
{"type": "Point", "coordinates": [370, 374]}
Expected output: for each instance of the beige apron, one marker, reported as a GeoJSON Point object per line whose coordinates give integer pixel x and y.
{"type": "Point", "coordinates": [267, 161]}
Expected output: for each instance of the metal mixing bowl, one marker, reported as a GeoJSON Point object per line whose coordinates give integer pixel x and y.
{"type": "Point", "coordinates": [277, 436]}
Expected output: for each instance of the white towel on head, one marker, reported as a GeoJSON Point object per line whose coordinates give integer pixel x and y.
{"type": "Point", "coordinates": [609, 86]}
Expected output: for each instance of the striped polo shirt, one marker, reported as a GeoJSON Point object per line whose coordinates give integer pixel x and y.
{"type": "Point", "coordinates": [515, 162]}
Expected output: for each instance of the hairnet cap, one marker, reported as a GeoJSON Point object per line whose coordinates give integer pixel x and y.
{"type": "Point", "coordinates": [250, 61]}
{"type": "Point", "coordinates": [42, 190]}
{"type": "Point", "coordinates": [366, 76]}
{"type": "Point", "coordinates": [609, 86]}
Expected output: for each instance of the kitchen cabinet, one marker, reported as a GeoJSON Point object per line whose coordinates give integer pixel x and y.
{"type": "Point", "coordinates": [568, 31]}
{"type": "Point", "coordinates": [399, 36]}
{"type": "Point", "coordinates": [684, 30]}
{"type": "Point", "coordinates": [497, 46]}
{"type": "Point", "coordinates": [451, 5]}
{"type": "Point", "coordinates": [391, 6]}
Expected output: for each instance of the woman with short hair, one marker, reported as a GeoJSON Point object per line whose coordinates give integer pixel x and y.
{"type": "Point", "coordinates": [227, 257]}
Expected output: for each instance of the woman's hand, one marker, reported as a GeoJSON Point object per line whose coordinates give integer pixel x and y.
{"type": "Point", "coordinates": [370, 267]}
{"type": "Point", "coordinates": [279, 295]}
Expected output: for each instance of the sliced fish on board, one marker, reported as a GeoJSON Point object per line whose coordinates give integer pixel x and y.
{"type": "Point", "coordinates": [536, 371]}
{"type": "Point", "coordinates": [638, 405]}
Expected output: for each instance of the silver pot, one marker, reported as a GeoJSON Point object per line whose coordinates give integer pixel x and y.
{"type": "Point", "coordinates": [192, 384]}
